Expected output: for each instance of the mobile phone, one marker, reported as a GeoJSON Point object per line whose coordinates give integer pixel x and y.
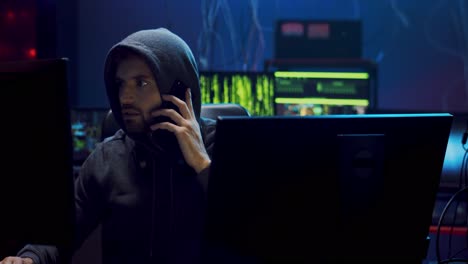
{"type": "Point", "coordinates": [163, 138]}
{"type": "Point", "coordinates": [178, 90]}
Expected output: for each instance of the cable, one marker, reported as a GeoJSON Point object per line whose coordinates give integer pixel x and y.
{"type": "Point", "coordinates": [391, 33]}
{"type": "Point", "coordinates": [454, 219]}
{"type": "Point", "coordinates": [256, 28]}
{"type": "Point", "coordinates": [428, 30]}
{"type": "Point", "coordinates": [463, 7]}
{"type": "Point", "coordinates": [459, 252]}
{"type": "Point", "coordinates": [465, 136]}
{"type": "Point", "coordinates": [461, 184]}
{"type": "Point", "coordinates": [461, 35]}
{"type": "Point", "coordinates": [230, 24]}
{"type": "Point", "coordinates": [466, 184]}
{"type": "Point", "coordinates": [465, 160]}
{"type": "Point", "coordinates": [402, 17]}
{"type": "Point", "coordinates": [453, 260]}
{"type": "Point", "coordinates": [465, 169]}
{"type": "Point", "coordinates": [439, 225]}
{"type": "Point", "coordinates": [209, 13]}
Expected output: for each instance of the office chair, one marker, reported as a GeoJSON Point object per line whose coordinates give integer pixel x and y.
{"type": "Point", "coordinates": [223, 109]}
{"type": "Point", "coordinates": [110, 126]}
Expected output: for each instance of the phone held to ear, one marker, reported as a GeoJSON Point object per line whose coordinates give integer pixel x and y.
{"type": "Point", "coordinates": [164, 139]}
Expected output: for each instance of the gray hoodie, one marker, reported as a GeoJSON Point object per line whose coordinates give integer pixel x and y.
{"type": "Point", "coordinates": [150, 207]}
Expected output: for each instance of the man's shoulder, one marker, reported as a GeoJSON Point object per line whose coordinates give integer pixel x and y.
{"type": "Point", "coordinates": [108, 155]}
{"type": "Point", "coordinates": [118, 136]}
{"type": "Point", "coordinates": [114, 144]}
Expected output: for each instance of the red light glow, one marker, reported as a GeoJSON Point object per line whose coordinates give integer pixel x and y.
{"type": "Point", "coordinates": [318, 31]}
{"type": "Point", "coordinates": [32, 53]}
{"type": "Point", "coordinates": [292, 29]}
{"type": "Point", "coordinates": [10, 15]}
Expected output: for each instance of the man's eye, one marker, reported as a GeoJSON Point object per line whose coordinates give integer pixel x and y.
{"type": "Point", "coordinates": [141, 83]}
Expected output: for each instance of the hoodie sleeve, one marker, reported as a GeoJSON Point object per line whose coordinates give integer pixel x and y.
{"type": "Point", "coordinates": [203, 178]}
{"type": "Point", "coordinates": [208, 128]}
{"type": "Point", "coordinates": [40, 254]}
{"type": "Point", "coordinates": [90, 195]}
{"type": "Point", "coordinates": [89, 203]}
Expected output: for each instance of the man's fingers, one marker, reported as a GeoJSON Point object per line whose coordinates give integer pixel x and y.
{"type": "Point", "coordinates": [181, 105]}
{"type": "Point", "coordinates": [188, 100]}
{"type": "Point", "coordinates": [16, 260]}
{"type": "Point", "coordinates": [11, 260]}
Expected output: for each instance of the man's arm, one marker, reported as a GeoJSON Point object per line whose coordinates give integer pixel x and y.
{"type": "Point", "coordinates": [90, 195]}
{"type": "Point", "coordinates": [34, 254]}
{"type": "Point", "coordinates": [203, 178]}
{"type": "Point", "coordinates": [89, 201]}
{"type": "Point", "coordinates": [38, 254]}
{"type": "Point", "coordinates": [208, 129]}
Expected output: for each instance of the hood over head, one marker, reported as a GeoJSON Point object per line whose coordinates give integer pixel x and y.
{"type": "Point", "coordinates": [167, 55]}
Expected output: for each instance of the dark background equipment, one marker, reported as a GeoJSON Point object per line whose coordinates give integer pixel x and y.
{"type": "Point", "coordinates": [36, 200]}
{"type": "Point", "coordinates": [307, 39]}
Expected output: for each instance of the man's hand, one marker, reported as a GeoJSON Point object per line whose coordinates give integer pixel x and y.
{"type": "Point", "coordinates": [16, 260]}
{"type": "Point", "coordinates": [186, 130]}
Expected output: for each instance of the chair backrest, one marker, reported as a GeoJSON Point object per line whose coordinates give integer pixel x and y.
{"type": "Point", "coordinates": [110, 126]}
{"type": "Point", "coordinates": [223, 109]}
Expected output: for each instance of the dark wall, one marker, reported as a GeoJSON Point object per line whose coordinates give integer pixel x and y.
{"type": "Point", "coordinates": [421, 46]}
{"type": "Point", "coordinates": [41, 29]}
{"type": "Point", "coordinates": [66, 41]}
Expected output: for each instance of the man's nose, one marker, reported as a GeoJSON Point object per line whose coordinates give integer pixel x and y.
{"type": "Point", "coordinates": [127, 96]}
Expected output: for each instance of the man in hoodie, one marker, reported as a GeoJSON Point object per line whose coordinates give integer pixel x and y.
{"type": "Point", "coordinates": [146, 184]}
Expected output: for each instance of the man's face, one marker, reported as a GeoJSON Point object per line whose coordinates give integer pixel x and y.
{"type": "Point", "coordinates": [138, 92]}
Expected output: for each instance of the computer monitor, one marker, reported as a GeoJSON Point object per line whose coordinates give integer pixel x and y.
{"type": "Point", "coordinates": [324, 86]}
{"type": "Point", "coordinates": [291, 189]}
{"type": "Point", "coordinates": [36, 197]}
{"type": "Point", "coordinates": [86, 126]}
{"type": "Point", "coordinates": [322, 92]}
{"type": "Point", "coordinates": [251, 89]}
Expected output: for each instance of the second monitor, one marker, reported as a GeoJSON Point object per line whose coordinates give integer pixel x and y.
{"type": "Point", "coordinates": [324, 86]}
{"type": "Point", "coordinates": [327, 188]}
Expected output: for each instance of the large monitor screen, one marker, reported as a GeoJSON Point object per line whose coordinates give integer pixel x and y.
{"type": "Point", "coordinates": [321, 189]}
